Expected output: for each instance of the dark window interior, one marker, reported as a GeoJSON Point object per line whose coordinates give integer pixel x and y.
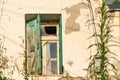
{"type": "Point", "coordinates": [49, 30]}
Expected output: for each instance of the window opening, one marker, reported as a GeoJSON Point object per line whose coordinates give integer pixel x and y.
{"type": "Point", "coordinates": [44, 44]}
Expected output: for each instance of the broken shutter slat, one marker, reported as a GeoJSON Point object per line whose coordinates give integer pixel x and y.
{"type": "Point", "coordinates": [60, 47]}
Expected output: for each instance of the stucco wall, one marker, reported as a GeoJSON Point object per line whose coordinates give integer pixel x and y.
{"type": "Point", "coordinates": [75, 31]}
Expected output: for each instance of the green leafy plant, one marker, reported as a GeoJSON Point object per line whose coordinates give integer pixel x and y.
{"type": "Point", "coordinates": [103, 38]}
{"type": "Point", "coordinates": [25, 71]}
{"type": "Point", "coordinates": [3, 60]}
{"type": "Point", "coordinates": [4, 63]}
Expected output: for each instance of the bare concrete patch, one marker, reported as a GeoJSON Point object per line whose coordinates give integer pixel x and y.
{"type": "Point", "coordinates": [74, 12]}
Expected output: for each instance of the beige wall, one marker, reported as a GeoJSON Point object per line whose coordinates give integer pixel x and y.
{"type": "Point", "coordinates": [75, 43]}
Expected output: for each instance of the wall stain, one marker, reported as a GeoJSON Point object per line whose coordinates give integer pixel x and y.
{"type": "Point", "coordinates": [74, 12]}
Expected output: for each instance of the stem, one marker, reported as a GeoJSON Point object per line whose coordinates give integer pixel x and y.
{"type": "Point", "coordinates": [25, 66]}
{"type": "Point", "coordinates": [102, 37]}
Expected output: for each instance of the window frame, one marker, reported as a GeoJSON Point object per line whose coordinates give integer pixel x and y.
{"type": "Point", "coordinates": [38, 21]}
{"type": "Point", "coordinates": [44, 70]}
{"type": "Point", "coordinates": [51, 37]}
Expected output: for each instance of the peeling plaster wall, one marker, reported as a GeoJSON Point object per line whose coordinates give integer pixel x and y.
{"type": "Point", "coordinates": [75, 31]}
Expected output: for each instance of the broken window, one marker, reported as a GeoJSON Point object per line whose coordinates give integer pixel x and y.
{"type": "Point", "coordinates": [49, 30]}
{"type": "Point", "coordinates": [44, 43]}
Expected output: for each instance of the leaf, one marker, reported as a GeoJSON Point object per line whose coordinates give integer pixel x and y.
{"type": "Point", "coordinates": [113, 66]}
{"type": "Point", "coordinates": [94, 35]}
{"type": "Point", "coordinates": [117, 76]}
{"type": "Point", "coordinates": [115, 41]}
{"type": "Point", "coordinates": [91, 63]}
{"type": "Point", "coordinates": [17, 67]}
{"type": "Point", "coordinates": [113, 53]}
{"type": "Point", "coordinates": [113, 45]}
{"type": "Point", "coordinates": [92, 45]}
{"type": "Point", "coordinates": [115, 58]}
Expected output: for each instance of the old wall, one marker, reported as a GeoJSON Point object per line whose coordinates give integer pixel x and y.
{"type": "Point", "coordinates": [75, 31]}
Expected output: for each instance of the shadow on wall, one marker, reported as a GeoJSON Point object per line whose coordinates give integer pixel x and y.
{"type": "Point", "coordinates": [74, 12]}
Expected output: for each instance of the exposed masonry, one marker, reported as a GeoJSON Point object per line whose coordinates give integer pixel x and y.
{"type": "Point", "coordinates": [74, 12]}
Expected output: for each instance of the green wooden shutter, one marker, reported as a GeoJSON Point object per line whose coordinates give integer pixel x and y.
{"type": "Point", "coordinates": [40, 46]}
{"type": "Point", "coordinates": [60, 47]}
{"type": "Point", "coordinates": [31, 27]}
{"type": "Point", "coordinates": [34, 44]}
